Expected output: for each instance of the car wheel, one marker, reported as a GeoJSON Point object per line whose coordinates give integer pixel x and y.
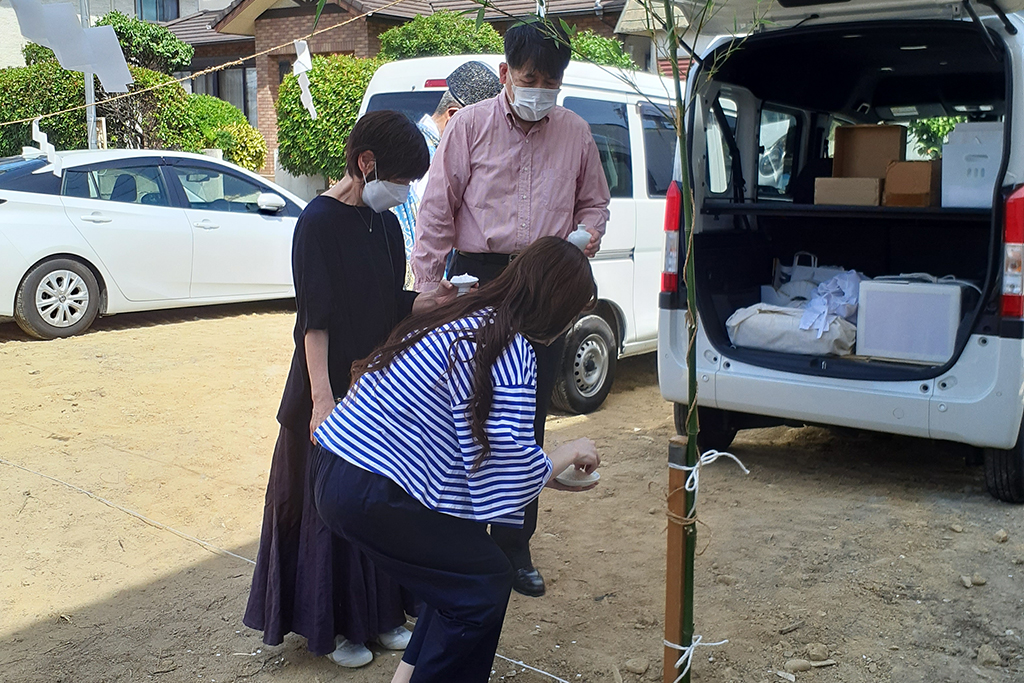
{"type": "Point", "coordinates": [1004, 472]}
{"type": "Point", "coordinates": [58, 298]}
{"type": "Point", "coordinates": [716, 429]}
{"type": "Point", "coordinates": [588, 366]}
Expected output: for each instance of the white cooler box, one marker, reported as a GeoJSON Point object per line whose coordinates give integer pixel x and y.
{"type": "Point", "coordinates": [908, 321]}
{"type": "Point", "coordinates": [970, 164]}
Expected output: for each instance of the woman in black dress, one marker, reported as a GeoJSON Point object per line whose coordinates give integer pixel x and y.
{"type": "Point", "coordinates": [348, 264]}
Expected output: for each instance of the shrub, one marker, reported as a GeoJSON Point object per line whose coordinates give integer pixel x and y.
{"type": "Point", "coordinates": [149, 45]}
{"type": "Point", "coordinates": [159, 119]}
{"type": "Point", "coordinates": [308, 147]}
{"type": "Point", "coordinates": [590, 47]}
{"type": "Point", "coordinates": [37, 54]}
{"type": "Point", "coordinates": [441, 33]}
{"type": "Point", "coordinates": [224, 126]}
{"type": "Point", "coordinates": [40, 89]}
{"type": "Point", "coordinates": [242, 145]}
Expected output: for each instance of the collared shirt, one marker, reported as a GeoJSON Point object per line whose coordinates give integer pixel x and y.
{"type": "Point", "coordinates": [406, 212]}
{"type": "Point", "coordinates": [411, 424]}
{"type": "Point", "coordinates": [495, 189]}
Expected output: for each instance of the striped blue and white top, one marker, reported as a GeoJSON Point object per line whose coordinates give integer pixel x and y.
{"type": "Point", "coordinates": [410, 423]}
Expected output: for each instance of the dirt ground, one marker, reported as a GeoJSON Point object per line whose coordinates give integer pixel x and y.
{"type": "Point", "coordinates": [857, 542]}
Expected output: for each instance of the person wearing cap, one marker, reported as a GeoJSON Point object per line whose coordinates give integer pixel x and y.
{"type": "Point", "coordinates": [508, 171]}
{"type": "Point", "coordinates": [472, 82]}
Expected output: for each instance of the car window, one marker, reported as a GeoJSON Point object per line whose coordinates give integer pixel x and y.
{"type": "Point", "coordinates": [660, 145]}
{"type": "Point", "coordinates": [719, 166]}
{"type": "Point", "coordinates": [778, 136]}
{"type": "Point", "coordinates": [24, 175]}
{"type": "Point", "coordinates": [212, 190]}
{"type": "Point", "coordinates": [413, 104]}
{"type": "Point", "coordinates": [610, 129]}
{"type": "Point", "coordinates": [132, 185]}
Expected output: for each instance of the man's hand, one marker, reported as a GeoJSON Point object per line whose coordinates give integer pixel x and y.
{"type": "Point", "coordinates": [594, 245]}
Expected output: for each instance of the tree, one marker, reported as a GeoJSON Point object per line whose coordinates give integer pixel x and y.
{"type": "Point", "coordinates": [931, 133]}
{"type": "Point", "coordinates": [317, 147]}
{"type": "Point", "coordinates": [440, 33]}
{"type": "Point", "coordinates": [224, 126]}
{"type": "Point", "coordinates": [36, 54]}
{"type": "Point", "coordinates": [590, 47]}
{"type": "Point", "coordinates": [149, 45]}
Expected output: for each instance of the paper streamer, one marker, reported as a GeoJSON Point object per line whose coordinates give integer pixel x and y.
{"type": "Point", "coordinates": [39, 137]}
{"type": "Point", "coordinates": [303, 64]}
{"type": "Point", "coordinates": [57, 27]}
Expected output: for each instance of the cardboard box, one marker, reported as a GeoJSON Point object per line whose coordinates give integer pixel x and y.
{"type": "Point", "coordinates": [867, 151]}
{"type": "Point", "coordinates": [848, 191]}
{"type": "Point", "coordinates": [913, 183]}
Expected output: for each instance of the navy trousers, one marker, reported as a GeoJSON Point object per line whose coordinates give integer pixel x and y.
{"type": "Point", "coordinates": [451, 564]}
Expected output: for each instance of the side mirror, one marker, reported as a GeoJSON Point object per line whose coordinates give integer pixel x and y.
{"type": "Point", "coordinates": [270, 202]}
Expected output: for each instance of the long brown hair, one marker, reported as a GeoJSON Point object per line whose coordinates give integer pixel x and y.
{"type": "Point", "coordinates": [538, 295]}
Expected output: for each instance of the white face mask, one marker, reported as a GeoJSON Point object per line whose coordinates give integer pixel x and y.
{"type": "Point", "coordinates": [381, 195]}
{"type": "Point", "coordinates": [532, 104]}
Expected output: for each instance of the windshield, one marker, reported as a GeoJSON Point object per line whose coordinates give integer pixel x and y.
{"type": "Point", "coordinates": [413, 104]}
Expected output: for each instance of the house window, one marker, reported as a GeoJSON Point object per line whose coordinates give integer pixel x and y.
{"type": "Point", "coordinates": [156, 10]}
{"type": "Point", "coordinates": [236, 85]}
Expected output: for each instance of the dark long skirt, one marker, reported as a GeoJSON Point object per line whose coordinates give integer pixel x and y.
{"type": "Point", "coordinates": [308, 580]}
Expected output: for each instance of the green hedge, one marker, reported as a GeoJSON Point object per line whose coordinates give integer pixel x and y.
{"type": "Point", "coordinates": [40, 89]}
{"type": "Point", "coordinates": [308, 147]}
{"type": "Point", "coordinates": [149, 45]}
{"type": "Point", "coordinates": [441, 33]}
{"type": "Point", "coordinates": [590, 47]}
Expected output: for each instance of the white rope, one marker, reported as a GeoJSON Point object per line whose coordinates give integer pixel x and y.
{"type": "Point", "coordinates": [152, 522]}
{"type": "Point", "coordinates": [693, 481]}
{"type": "Point", "coordinates": [527, 666]}
{"type": "Point", "coordinates": [686, 659]}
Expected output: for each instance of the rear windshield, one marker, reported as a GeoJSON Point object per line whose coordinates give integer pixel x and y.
{"type": "Point", "coordinates": [17, 173]}
{"type": "Point", "coordinates": [413, 104]}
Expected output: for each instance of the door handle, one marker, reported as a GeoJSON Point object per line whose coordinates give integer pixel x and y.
{"type": "Point", "coordinates": [205, 224]}
{"type": "Point", "coordinates": [96, 218]}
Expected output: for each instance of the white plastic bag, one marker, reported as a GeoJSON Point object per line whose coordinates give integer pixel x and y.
{"type": "Point", "coordinates": [775, 328]}
{"type": "Point", "coordinates": [805, 267]}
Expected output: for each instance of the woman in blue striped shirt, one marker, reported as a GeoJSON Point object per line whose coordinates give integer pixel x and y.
{"type": "Point", "coordinates": [435, 440]}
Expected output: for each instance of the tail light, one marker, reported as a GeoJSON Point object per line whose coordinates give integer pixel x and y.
{"type": "Point", "coordinates": [436, 83]}
{"type": "Point", "coordinates": [673, 206]}
{"type": "Point", "coordinates": [1012, 304]}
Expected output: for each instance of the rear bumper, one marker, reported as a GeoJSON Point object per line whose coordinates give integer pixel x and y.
{"type": "Point", "coordinates": [979, 401]}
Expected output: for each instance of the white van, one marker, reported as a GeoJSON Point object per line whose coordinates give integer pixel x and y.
{"type": "Point", "coordinates": [816, 65]}
{"type": "Point", "coordinates": [636, 143]}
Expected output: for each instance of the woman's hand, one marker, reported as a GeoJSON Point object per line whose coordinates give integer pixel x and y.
{"type": "Point", "coordinates": [321, 411]}
{"type": "Point", "coordinates": [444, 293]}
{"type": "Point", "coordinates": [581, 454]}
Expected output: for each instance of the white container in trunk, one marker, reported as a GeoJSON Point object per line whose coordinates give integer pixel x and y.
{"type": "Point", "coordinates": [908, 321]}
{"type": "Point", "coordinates": [970, 164]}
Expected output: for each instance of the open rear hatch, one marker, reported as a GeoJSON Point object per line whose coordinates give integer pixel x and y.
{"type": "Point", "coordinates": [793, 87]}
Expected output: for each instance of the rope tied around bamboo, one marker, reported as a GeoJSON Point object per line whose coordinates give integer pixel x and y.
{"type": "Point", "coordinates": [693, 481]}
{"type": "Point", "coordinates": [686, 658]}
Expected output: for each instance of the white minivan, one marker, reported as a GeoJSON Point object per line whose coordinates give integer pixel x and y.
{"type": "Point", "coordinates": [815, 65]}
{"type": "Point", "coordinates": [636, 142]}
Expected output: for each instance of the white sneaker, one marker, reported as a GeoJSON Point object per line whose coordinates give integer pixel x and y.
{"type": "Point", "coordinates": [396, 638]}
{"type": "Point", "coordinates": [350, 655]}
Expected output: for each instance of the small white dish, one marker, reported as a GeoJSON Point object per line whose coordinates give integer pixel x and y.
{"type": "Point", "coordinates": [464, 283]}
{"type": "Point", "coordinates": [577, 478]}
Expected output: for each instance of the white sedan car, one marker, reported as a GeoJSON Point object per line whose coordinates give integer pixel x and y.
{"type": "Point", "coordinates": [135, 230]}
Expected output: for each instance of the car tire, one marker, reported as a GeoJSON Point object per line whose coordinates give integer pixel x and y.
{"type": "Point", "coordinates": [588, 366]}
{"type": "Point", "coordinates": [58, 298]}
{"type": "Point", "coordinates": [1004, 472]}
{"type": "Point", "coordinates": [716, 429]}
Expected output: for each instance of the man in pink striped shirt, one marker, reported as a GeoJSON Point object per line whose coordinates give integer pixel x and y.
{"type": "Point", "coordinates": [508, 171]}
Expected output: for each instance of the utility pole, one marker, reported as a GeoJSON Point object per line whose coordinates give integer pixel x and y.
{"type": "Point", "coordinates": [90, 83]}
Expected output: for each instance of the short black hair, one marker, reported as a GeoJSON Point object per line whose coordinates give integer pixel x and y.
{"type": "Point", "coordinates": [397, 145]}
{"type": "Point", "coordinates": [543, 46]}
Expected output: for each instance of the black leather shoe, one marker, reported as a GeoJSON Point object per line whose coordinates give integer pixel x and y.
{"type": "Point", "coordinates": [528, 582]}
